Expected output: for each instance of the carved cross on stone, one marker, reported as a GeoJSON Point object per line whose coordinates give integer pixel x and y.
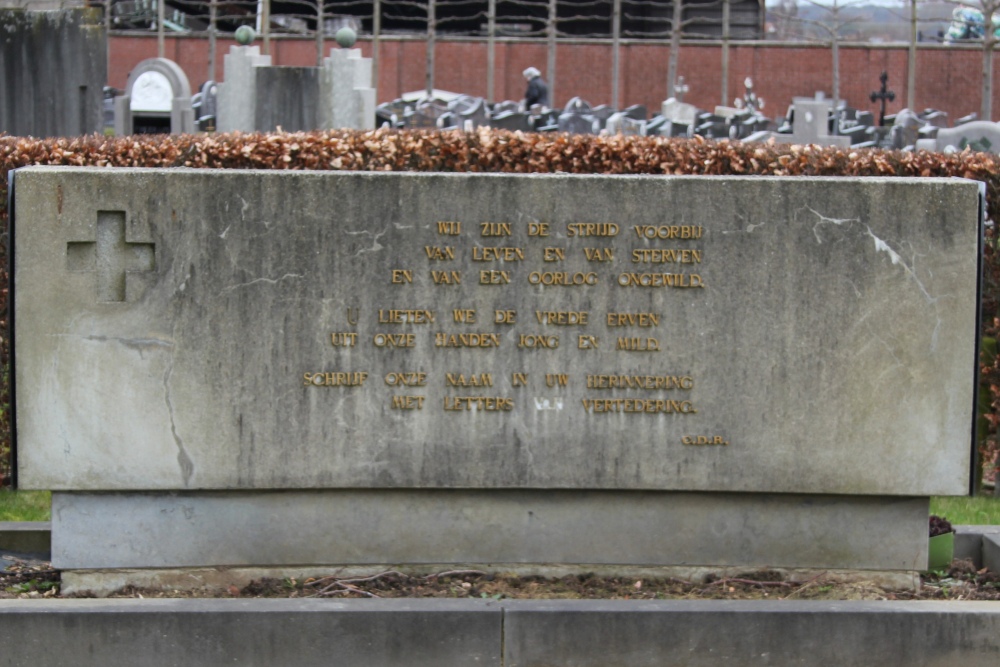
{"type": "Point", "coordinates": [110, 256]}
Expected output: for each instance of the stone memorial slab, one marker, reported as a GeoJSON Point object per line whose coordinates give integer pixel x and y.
{"type": "Point", "coordinates": [239, 330]}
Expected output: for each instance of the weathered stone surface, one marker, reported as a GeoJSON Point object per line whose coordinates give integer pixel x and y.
{"type": "Point", "coordinates": [212, 633]}
{"type": "Point", "coordinates": [710, 633]}
{"type": "Point", "coordinates": [824, 333]}
{"type": "Point", "coordinates": [501, 528]}
{"type": "Point", "coordinates": [521, 633]}
{"type": "Point", "coordinates": [53, 67]}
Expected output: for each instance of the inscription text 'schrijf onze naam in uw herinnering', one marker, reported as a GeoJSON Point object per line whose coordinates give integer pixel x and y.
{"type": "Point", "coordinates": [491, 263]}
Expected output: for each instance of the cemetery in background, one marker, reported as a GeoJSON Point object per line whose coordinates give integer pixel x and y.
{"type": "Point", "coordinates": [615, 52]}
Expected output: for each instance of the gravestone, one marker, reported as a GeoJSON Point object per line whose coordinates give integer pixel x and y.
{"type": "Point", "coordinates": [206, 104]}
{"type": "Point", "coordinates": [157, 100]}
{"type": "Point", "coordinates": [578, 118]}
{"type": "Point", "coordinates": [980, 136]}
{"type": "Point", "coordinates": [511, 120]}
{"type": "Point", "coordinates": [295, 370]}
{"type": "Point", "coordinates": [470, 112]}
{"type": "Point", "coordinates": [238, 91]}
{"type": "Point", "coordinates": [347, 94]}
{"type": "Point", "coordinates": [811, 124]}
{"type": "Point", "coordinates": [425, 115]}
{"type": "Point", "coordinates": [680, 115]}
{"type": "Point", "coordinates": [53, 68]}
{"type": "Point", "coordinates": [619, 123]}
{"type": "Point", "coordinates": [258, 97]}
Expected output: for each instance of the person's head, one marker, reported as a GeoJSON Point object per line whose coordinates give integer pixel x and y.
{"type": "Point", "coordinates": [531, 73]}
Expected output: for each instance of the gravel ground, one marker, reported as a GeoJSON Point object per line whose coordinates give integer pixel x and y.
{"type": "Point", "coordinates": [28, 579]}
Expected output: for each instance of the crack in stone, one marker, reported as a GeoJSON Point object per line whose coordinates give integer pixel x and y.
{"type": "Point", "coordinates": [269, 281]}
{"type": "Point", "coordinates": [140, 345]}
{"type": "Point", "coordinates": [824, 220]}
{"type": "Point", "coordinates": [185, 462]}
{"type": "Point", "coordinates": [881, 246]}
{"type": "Point", "coordinates": [376, 246]}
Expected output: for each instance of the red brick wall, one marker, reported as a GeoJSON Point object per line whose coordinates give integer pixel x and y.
{"type": "Point", "coordinates": [947, 78]}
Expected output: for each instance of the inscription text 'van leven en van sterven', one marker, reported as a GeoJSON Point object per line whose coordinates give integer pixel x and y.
{"type": "Point", "coordinates": [608, 256]}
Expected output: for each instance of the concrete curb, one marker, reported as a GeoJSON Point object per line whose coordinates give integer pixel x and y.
{"type": "Point", "coordinates": [522, 633]}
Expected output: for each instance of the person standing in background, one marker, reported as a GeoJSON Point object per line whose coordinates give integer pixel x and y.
{"type": "Point", "coordinates": [537, 92]}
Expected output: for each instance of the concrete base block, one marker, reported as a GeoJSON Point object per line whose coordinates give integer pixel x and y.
{"type": "Point", "coordinates": [360, 527]}
{"type": "Point", "coordinates": [529, 633]}
{"type": "Point", "coordinates": [28, 537]}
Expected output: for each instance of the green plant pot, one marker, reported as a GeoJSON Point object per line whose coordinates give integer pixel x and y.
{"type": "Point", "coordinates": [941, 551]}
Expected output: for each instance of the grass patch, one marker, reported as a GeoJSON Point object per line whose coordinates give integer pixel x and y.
{"type": "Point", "coordinates": [25, 505]}
{"type": "Point", "coordinates": [981, 510]}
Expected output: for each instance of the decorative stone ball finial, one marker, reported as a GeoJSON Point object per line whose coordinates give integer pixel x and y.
{"type": "Point", "coordinates": [346, 38]}
{"type": "Point", "coordinates": [245, 35]}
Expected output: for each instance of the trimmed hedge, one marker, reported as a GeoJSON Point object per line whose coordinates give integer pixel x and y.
{"type": "Point", "coordinates": [499, 151]}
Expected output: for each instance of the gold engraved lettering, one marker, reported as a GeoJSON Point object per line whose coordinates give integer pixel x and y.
{"type": "Point", "coordinates": [647, 382]}
{"type": "Point", "coordinates": [495, 228]}
{"type": "Point", "coordinates": [446, 277]}
{"type": "Point", "coordinates": [475, 340]}
{"type": "Point", "coordinates": [478, 403]}
{"type": "Point", "coordinates": [504, 254]}
{"type": "Point", "coordinates": [638, 345]}
{"type": "Point", "coordinates": [391, 340]}
{"type": "Point", "coordinates": [553, 254]}
{"type": "Point", "coordinates": [449, 228]}
{"type": "Point", "coordinates": [704, 440]}
{"type": "Point", "coordinates": [591, 229]}
{"type": "Point", "coordinates": [638, 405]}
{"type": "Point", "coordinates": [504, 316]}
{"type": "Point", "coordinates": [556, 379]}
{"type": "Point", "coordinates": [666, 256]}
{"type": "Point", "coordinates": [538, 229]}
{"type": "Point", "coordinates": [406, 317]}
{"type": "Point", "coordinates": [352, 318]}
{"type": "Point", "coordinates": [533, 342]}
{"type": "Point", "coordinates": [599, 254]}
{"type": "Point", "coordinates": [633, 320]}
{"type": "Point", "coordinates": [667, 231]}
{"type": "Point", "coordinates": [406, 379]}
{"type": "Point", "coordinates": [402, 276]}
{"type": "Point", "coordinates": [586, 342]}
{"type": "Point", "coordinates": [353, 379]}
{"type": "Point", "coordinates": [494, 277]}
{"type": "Point", "coordinates": [562, 317]}
{"type": "Point", "coordinates": [464, 315]}
{"type": "Point", "coordinates": [563, 278]}
{"type": "Point", "coordinates": [473, 380]}
{"type": "Point", "coordinates": [439, 254]}
{"type": "Point", "coordinates": [519, 379]}
{"type": "Point", "coordinates": [344, 339]}
{"type": "Point", "coordinates": [660, 280]}
{"type": "Point", "coordinates": [407, 403]}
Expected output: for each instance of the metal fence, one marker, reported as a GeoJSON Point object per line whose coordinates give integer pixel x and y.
{"type": "Point", "coordinates": [553, 21]}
